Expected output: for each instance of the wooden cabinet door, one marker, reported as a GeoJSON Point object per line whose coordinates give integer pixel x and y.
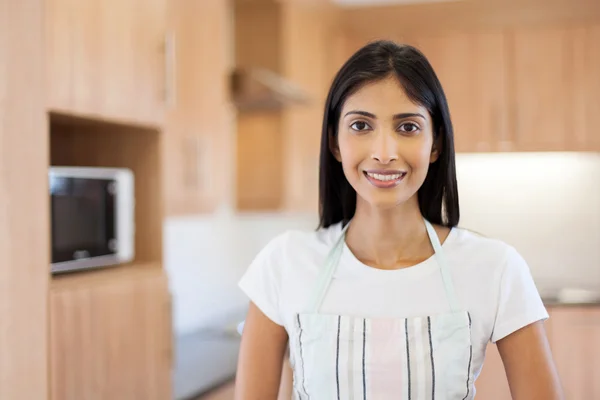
{"type": "Point", "coordinates": [198, 130]}
{"type": "Point", "coordinates": [588, 83]}
{"type": "Point", "coordinates": [492, 383]}
{"type": "Point", "coordinates": [107, 59]}
{"type": "Point", "coordinates": [576, 350]}
{"type": "Point", "coordinates": [24, 205]}
{"type": "Point", "coordinates": [545, 105]}
{"type": "Point", "coordinates": [111, 340]}
{"type": "Point", "coordinates": [472, 69]}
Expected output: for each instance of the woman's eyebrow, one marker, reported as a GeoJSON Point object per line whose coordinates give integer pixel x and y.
{"type": "Point", "coordinates": [408, 115]}
{"type": "Point", "coordinates": [373, 116]}
{"type": "Point", "coordinates": [363, 113]}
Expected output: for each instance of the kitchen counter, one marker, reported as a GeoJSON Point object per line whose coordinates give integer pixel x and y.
{"type": "Point", "coordinates": [570, 298]}
{"type": "Point", "coordinates": [553, 302]}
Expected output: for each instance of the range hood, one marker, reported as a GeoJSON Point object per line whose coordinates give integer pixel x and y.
{"type": "Point", "coordinates": [255, 89]}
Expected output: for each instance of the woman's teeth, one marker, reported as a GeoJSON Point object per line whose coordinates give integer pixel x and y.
{"type": "Point", "coordinates": [387, 177]}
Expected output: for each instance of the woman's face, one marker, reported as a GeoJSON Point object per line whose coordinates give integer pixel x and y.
{"type": "Point", "coordinates": [385, 144]}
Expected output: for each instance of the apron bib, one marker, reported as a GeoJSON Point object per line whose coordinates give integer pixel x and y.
{"type": "Point", "coordinates": [351, 358]}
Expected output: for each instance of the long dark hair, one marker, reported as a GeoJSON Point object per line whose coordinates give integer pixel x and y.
{"type": "Point", "coordinates": [438, 196]}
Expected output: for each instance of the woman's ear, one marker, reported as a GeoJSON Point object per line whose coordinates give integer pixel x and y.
{"type": "Point", "coordinates": [334, 147]}
{"type": "Point", "coordinates": [436, 149]}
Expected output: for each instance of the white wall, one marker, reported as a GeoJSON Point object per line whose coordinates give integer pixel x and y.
{"type": "Point", "coordinates": [205, 257]}
{"type": "Point", "coordinates": [547, 205]}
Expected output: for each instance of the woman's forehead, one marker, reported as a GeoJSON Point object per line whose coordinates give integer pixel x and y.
{"type": "Point", "coordinates": [386, 97]}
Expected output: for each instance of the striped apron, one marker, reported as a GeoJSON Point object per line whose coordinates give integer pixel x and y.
{"type": "Point", "coordinates": [351, 358]}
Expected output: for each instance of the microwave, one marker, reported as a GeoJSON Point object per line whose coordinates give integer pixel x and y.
{"type": "Point", "coordinates": [92, 217]}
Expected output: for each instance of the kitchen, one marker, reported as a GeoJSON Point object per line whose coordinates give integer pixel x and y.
{"type": "Point", "coordinates": [510, 73]}
{"type": "Point", "coordinates": [234, 160]}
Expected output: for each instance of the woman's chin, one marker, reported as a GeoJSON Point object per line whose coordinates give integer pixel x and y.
{"type": "Point", "coordinates": [385, 201]}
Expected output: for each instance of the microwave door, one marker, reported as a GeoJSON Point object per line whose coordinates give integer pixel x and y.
{"type": "Point", "coordinates": [83, 219]}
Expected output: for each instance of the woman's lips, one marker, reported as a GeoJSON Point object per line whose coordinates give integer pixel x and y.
{"type": "Point", "coordinates": [384, 179]}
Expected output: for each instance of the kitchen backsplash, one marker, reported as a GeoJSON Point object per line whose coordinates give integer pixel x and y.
{"type": "Point", "coordinates": [206, 255]}
{"type": "Point", "coordinates": [547, 205]}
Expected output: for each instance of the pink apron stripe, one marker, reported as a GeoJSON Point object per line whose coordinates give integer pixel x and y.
{"type": "Point", "coordinates": [385, 362]}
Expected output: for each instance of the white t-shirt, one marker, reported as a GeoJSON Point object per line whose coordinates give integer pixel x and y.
{"type": "Point", "coordinates": [491, 280]}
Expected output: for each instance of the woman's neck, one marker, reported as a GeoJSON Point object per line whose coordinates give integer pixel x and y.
{"type": "Point", "coordinates": [391, 238]}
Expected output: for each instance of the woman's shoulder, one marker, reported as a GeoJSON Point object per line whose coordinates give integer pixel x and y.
{"type": "Point", "coordinates": [294, 243]}
{"type": "Point", "coordinates": [480, 248]}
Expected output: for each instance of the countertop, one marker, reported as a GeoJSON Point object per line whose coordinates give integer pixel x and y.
{"type": "Point", "coordinates": [554, 302]}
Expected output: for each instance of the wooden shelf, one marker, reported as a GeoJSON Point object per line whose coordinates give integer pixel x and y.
{"type": "Point", "coordinates": [64, 117]}
{"type": "Point", "coordinates": [108, 275]}
{"type": "Point", "coordinates": [89, 143]}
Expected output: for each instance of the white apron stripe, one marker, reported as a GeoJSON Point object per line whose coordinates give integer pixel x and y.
{"type": "Point", "coordinates": [431, 359]}
{"type": "Point", "coordinates": [419, 359]}
{"type": "Point", "coordinates": [470, 359]}
{"type": "Point", "coordinates": [366, 351]}
{"type": "Point", "coordinates": [404, 378]}
{"type": "Point", "coordinates": [300, 351]}
{"type": "Point", "coordinates": [427, 379]}
{"type": "Point", "coordinates": [408, 371]}
{"type": "Point", "coordinates": [337, 358]}
{"type": "Point", "coordinates": [349, 362]}
{"type": "Point", "coordinates": [345, 357]}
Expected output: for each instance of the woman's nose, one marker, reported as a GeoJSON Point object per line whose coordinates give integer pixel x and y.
{"type": "Point", "coordinates": [384, 148]}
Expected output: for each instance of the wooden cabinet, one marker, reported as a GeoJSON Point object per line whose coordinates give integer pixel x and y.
{"type": "Point", "coordinates": [576, 350]}
{"type": "Point", "coordinates": [24, 205]}
{"type": "Point", "coordinates": [106, 59]}
{"type": "Point", "coordinates": [555, 87]}
{"type": "Point", "coordinates": [110, 336]}
{"type": "Point", "coordinates": [492, 383]}
{"type": "Point", "coordinates": [544, 102]}
{"type": "Point", "coordinates": [573, 334]}
{"type": "Point", "coordinates": [278, 149]}
{"type": "Point", "coordinates": [520, 89]}
{"type": "Point", "coordinates": [472, 67]}
{"type": "Point", "coordinates": [198, 158]}
{"type": "Point", "coordinates": [587, 82]}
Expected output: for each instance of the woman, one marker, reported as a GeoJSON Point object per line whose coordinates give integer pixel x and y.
{"type": "Point", "coordinates": [388, 299]}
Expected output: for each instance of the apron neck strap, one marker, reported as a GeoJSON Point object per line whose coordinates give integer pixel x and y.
{"type": "Point", "coordinates": [333, 258]}
{"type": "Point", "coordinates": [326, 275]}
{"type": "Point", "coordinates": [442, 261]}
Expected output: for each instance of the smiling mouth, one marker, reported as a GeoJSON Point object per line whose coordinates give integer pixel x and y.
{"type": "Point", "coordinates": [385, 179]}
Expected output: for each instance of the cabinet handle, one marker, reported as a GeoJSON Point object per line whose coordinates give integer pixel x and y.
{"type": "Point", "coordinates": [194, 162]}
{"type": "Point", "coordinates": [170, 70]}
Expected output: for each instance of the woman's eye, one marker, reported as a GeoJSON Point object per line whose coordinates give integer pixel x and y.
{"type": "Point", "coordinates": [360, 126]}
{"type": "Point", "coordinates": [409, 127]}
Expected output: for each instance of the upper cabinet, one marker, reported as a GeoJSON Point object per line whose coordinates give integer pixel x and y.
{"type": "Point", "coordinates": [520, 89]}
{"type": "Point", "coordinates": [472, 69]}
{"type": "Point", "coordinates": [108, 59]}
{"type": "Point", "coordinates": [555, 88]}
{"type": "Point", "coordinates": [545, 105]}
{"type": "Point", "coordinates": [197, 152]}
{"type": "Point", "coordinates": [588, 83]}
{"type": "Point", "coordinates": [278, 149]}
